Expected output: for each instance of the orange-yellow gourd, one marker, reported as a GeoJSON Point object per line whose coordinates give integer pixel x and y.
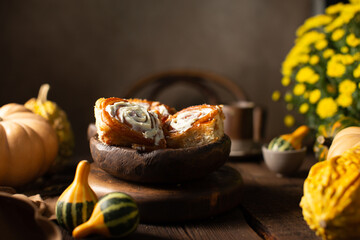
{"type": "Point", "coordinates": [344, 140]}
{"type": "Point", "coordinates": [331, 200]}
{"type": "Point", "coordinates": [28, 145]}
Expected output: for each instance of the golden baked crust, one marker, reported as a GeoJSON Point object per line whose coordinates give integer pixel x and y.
{"type": "Point", "coordinates": [124, 123]}
{"type": "Point", "coordinates": [195, 126]}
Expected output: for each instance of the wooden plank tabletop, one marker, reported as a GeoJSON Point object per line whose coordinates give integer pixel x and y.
{"type": "Point", "coordinates": [269, 209]}
{"type": "Point", "coordinates": [271, 203]}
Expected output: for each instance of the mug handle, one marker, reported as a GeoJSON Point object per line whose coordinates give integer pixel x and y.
{"type": "Point", "coordinates": [258, 121]}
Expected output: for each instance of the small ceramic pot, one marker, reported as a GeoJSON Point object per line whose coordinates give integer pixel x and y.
{"type": "Point", "coordinates": [283, 163]}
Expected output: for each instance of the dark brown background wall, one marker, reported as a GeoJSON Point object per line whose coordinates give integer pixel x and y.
{"type": "Point", "coordinates": [91, 49]}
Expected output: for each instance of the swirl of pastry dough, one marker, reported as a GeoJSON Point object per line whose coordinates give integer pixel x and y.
{"type": "Point", "coordinates": [163, 111]}
{"type": "Point", "coordinates": [138, 118]}
{"type": "Point", "coordinates": [186, 119]}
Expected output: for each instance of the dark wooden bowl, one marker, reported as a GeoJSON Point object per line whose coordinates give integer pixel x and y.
{"type": "Point", "coordinates": [163, 165]}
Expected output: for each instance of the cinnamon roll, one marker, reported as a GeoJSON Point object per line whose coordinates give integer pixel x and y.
{"type": "Point", "coordinates": [124, 123]}
{"type": "Point", "coordinates": [195, 126]}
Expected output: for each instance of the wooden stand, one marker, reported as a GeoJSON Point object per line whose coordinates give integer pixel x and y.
{"type": "Point", "coordinates": [216, 193]}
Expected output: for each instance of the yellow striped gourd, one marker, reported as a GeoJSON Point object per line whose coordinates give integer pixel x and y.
{"type": "Point", "coordinates": [77, 202]}
{"type": "Point", "coordinates": [115, 215]}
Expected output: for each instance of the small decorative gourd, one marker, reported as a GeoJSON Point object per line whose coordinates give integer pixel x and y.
{"type": "Point", "coordinates": [291, 141]}
{"type": "Point", "coordinates": [77, 202]}
{"type": "Point", "coordinates": [57, 118]}
{"type": "Point", "coordinates": [115, 215]}
{"type": "Point", "coordinates": [331, 200]}
{"type": "Point", "coordinates": [344, 140]}
{"type": "Point", "coordinates": [327, 132]}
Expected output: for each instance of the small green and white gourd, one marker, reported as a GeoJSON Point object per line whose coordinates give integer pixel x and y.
{"type": "Point", "coordinates": [77, 202]}
{"type": "Point", "coordinates": [115, 215]}
{"type": "Point", "coordinates": [291, 141]}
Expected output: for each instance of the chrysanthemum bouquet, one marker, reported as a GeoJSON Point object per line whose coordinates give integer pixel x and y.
{"type": "Point", "coordinates": [321, 73]}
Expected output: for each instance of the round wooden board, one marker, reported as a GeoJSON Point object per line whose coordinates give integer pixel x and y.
{"type": "Point", "coordinates": [163, 203]}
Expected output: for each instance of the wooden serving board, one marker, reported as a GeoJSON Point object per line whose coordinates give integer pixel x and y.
{"type": "Point", "coordinates": [216, 193]}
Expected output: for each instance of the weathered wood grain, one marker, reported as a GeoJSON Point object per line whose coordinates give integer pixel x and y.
{"type": "Point", "coordinates": [271, 204]}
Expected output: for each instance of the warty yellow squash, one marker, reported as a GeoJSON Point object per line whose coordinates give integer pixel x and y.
{"type": "Point", "coordinates": [331, 200]}
{"type": "Point", "coordinates": [28, 145]}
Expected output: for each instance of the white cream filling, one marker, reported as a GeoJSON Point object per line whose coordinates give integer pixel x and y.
{"type": "Point", "coordinates": [138, 117]}
{"type": "Point", "coordinates": [186, 119]}
{"type": "Point", "coordinates": [163, 110]}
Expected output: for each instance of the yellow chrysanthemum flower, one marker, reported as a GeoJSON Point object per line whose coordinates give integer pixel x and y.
{"type": "Point", "coordinates": [346, 59]}
{"type": "Point", "coordinates": [326, 107]}
{"type": "Point", "coordinates": [344, 100]}
{"type": "Point", "coordinates": [347, 87]}
{"type": "Point", "coordinates": [313, 79]}
{"type": "Point", "coordinates": [285, 81]}
{"type": "Point", "coordinates": [289, 120]}
{"type": "Point", "coordinates": [307, 74]}
{"type": "Point", "coordinates": [352, 40]}
{"type": "Point", "coordinates": [299, 89]}
{"type": "Point", "coordinates": [356, 72]}
{"type": "Point", "coordinates": [321, 44]}
{"type": "Point", "coordinates": [304, 58]}
{"type": "Point", "coordinates": [314, 96]}
{"type": "Point", "coordinates": [328, 53]}
{"type": "Point", "coordinates": [288, 97]}
{"type": "Point", "coordinates": [313, 22]}
{"type": "Point", "coordinates": [276, 95]}
{"type": "Point", "coordinates": [334, 9]}
{"type": "Point", "coordinates": [356, 56]}
{"type": "Point", "coordinates": [337, 34]}
{"type": "Point", "coordinates": [344, 49]}
{"type": "Point", "coordinates": [288, 65]}
{"type": "Point", "coordinates": [304, 108]}
{"type": "Point", "coordinates": [314, 60]}
{"type": "Point", "coordinates": [306, 95]}
{"type": "Point", "coordinates": [335, 69]}
{"type": "Point", "coordinates": [345, 15]}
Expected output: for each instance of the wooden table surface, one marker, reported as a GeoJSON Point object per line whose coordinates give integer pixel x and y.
{"type": "Point", "coordinates": [269, 209]}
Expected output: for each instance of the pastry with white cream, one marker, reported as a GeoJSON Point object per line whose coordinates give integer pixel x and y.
{"type": "Point", "coordinates": [127, 123]}
{"type": "Point", "coordinates": [195, 126]}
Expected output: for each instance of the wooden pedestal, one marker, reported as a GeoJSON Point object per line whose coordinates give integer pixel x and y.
{"type": "Point", "coordinates": [163, 203]}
